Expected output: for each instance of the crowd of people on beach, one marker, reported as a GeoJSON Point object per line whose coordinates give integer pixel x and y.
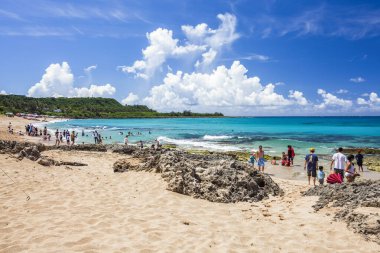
{"type": "Point", "coordinates": [342, 167]}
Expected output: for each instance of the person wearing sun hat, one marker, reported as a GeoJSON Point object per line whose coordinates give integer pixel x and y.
{"type": "Point", "coordinates": [311, 163]}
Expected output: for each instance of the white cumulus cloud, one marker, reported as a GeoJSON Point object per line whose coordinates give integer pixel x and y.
{"type": "Point", "coordinates": [225, 34]}
{"type": "Point", "coordinates": [200, 41]}
{"type": "Point", "coordinates": [58, 81]}
{"type": "Point", "coordinates": [373, 101]}
{"type": "Point", "coordinates": [3, 92]}
{"type": "Point", "coordinates": [95, 91]}
{"type": "Point", "coordinates": [330, 100]}
{"type": "Point", "coordinates": [298, 97]}
{"type": "Point", "coordinates": [131, 99]}
{"type": "Point", "coordinates": [162, 46]}
{"type": "Point", "coordinates": [224, 87]}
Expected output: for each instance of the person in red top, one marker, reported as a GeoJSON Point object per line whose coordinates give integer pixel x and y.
{"type": "Point", "coordinates": [291, 154]}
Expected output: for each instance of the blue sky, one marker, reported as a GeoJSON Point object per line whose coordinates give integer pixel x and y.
{"type": "Point", "coordinates": [236, 57]}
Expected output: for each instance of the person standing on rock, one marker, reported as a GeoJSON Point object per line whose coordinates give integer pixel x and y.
{"type": "Point", "coordinates": [260, 158]}
{"type": "Point", "coordinates": [359, 160]}
{"type": "Point", "coordinates": [339, 160]}
{"type": "Point", "coordinates": [311, 163]}
{"type": "Point", "coordinates": [157, 144]}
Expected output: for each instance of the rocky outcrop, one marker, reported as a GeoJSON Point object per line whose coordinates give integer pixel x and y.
{"type": "Point", "coordinates": [214, 177]}
{"type": "Point", "coordinates": [82, 147]}
{"type": "Point", "coordinates": [367, 151]}
{"type": "Point", "coordinates": [32, 153]}
{"type": "Point", "coordinates": [14, 147]}
{"type": "Point", "coordinates": [51, 162]}
{"type": "Point", "coordinates": [123, 165]}
{"type": "Point", "coordinates": [126, 150]}
{"type": "Point", "coordinates": [350, 197]}
{"type": "Point", "coordinates": [372, 162]}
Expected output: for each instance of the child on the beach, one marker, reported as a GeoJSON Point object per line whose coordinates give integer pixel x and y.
{"type": "Point", "coordinates": [284, 159]}
{"type": "Point", "coordinates": [252, 160]}
{"type": "Point", "coordinates": [321, 175]}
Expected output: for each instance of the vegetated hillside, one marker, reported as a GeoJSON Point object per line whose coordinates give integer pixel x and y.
{"type": "Point", "coordinates": [85, 108]}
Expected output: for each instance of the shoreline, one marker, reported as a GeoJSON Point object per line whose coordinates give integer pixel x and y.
{"type": "Point", "coordinates": [19, 123]}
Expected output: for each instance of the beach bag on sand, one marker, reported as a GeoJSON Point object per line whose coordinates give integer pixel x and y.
{"type": "Point", "coordinates": [334, 179]}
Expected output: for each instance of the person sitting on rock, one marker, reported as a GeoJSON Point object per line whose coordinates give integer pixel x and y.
{"type": "Point", "coordinates": [350, 172]}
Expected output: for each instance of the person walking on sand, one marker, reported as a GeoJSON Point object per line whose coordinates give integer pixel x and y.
{"type": "Point", "coordinates": [339, 160]}
{"type": "Point", "coordinates": [260, 158]}
{"type": "Point", "coordinates": [57, 138]}
{"type": "Point", "coordinates": [359, 160]}
{"type": "Point", "coordinates": [67, 139]}
{"type": "Point", "coordinates": [72, 137]}
{"type": "Point", "coordinates": [311, 163]}
{"type": "Point", "coordinates": [321, 175]}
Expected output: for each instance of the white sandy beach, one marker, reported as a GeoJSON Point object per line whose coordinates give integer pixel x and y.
{"type": "Point", "coordinates": [92, 209]}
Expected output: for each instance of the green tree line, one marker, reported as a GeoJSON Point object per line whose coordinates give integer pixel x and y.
{"type": "Point", "coordinates": [89, 107]}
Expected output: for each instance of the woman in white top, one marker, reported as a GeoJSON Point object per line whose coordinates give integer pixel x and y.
{"type": "Point", "coordinates": [350, 172]}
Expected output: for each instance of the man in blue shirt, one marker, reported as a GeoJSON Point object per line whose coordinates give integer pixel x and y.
{"type": "Point", "coordinates": [311, 163]}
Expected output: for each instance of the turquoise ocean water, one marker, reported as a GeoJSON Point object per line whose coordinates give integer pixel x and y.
{"type": "Point", "coordinates": [223, 134]}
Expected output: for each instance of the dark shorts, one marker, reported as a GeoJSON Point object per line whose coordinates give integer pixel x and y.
{"type": "Point", "coordinates": [340, 172]}
{"type": "Point", "coordinates": [360, 163]}
{"type": "Point", "coordinates": [312, 172]}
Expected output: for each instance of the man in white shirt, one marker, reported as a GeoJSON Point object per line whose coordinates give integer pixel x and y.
{"type": "Point", "coordinates": [339, 160]}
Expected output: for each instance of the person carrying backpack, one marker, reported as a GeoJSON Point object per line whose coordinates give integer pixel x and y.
{"type": "Point", "coordinates": [311, 163]}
